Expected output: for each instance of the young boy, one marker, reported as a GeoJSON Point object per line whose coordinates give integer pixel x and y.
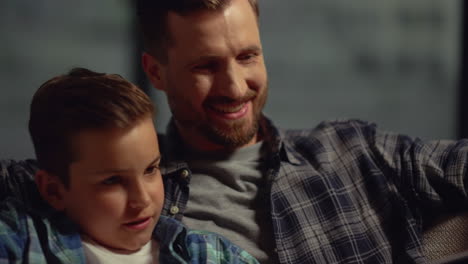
{"type": "Point", "coordinates": [99, 179]}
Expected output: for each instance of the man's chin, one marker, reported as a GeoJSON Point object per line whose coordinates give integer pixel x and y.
{"type": "Point", "coordinates": [231, 137]}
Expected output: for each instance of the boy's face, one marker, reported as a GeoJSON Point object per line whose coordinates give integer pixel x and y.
{"type": "Point", "coordinates": [116, 190]}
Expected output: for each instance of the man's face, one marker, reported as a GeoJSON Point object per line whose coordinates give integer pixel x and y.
{"type": "Point", "coordinates": [116, 191]}
{"type": "Point", "coordinates": [215, 78]}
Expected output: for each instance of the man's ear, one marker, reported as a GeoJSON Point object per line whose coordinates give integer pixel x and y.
{"type": "Point", "coordinates": [51, 189]}
{"type": "Point", "coordinates": [153, 70]}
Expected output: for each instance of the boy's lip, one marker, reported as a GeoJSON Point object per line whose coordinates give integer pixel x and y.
{"type": "Point", "coordinates": [139, 223]}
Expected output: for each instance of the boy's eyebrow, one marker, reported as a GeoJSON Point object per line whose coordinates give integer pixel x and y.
{"type": "Point", "coordinates": [117, 171]}
{"type": "Point", "coordinates": [156, 160]}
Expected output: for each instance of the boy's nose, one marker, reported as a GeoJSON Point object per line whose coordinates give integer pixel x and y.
{"type": "Point", "coordinates": [138, 196]}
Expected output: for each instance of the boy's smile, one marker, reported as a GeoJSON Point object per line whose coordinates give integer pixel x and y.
{"type": "Point", "coordinates": [139, 224]}
{"type": "Point", "coordinates": [116, 190]}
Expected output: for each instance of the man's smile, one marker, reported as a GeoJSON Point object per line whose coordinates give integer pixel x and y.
{"type": "Point", "coordinates": [229, 111]}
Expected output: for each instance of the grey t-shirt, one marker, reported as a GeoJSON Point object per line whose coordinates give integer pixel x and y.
{"type": "Point", "coordinates": [228, 195]}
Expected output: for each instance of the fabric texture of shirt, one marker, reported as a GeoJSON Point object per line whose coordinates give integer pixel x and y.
{"type": "Point", "coordinates": [231, 184]}
{"type": "Point", "coordinates": [32, 232]}
{"type": "Point", "coordinates": [344, 192]}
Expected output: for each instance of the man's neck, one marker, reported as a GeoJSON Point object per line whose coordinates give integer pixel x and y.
{"type": "Point", "coordinates": [202, 144]}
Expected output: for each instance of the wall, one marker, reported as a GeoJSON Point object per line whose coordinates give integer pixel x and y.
{"type": "Point", "coordinates": [390, 62]}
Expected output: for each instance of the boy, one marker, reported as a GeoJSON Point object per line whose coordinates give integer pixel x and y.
{"type": "Point", "coordinates": [99, 179]}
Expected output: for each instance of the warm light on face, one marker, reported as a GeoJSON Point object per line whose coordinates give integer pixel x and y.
{"type": "Point", "coordinates": [215, 78]}
{"type": "Point", "coordinates": [116, 190]}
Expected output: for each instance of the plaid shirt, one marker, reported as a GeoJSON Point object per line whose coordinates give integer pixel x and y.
{"type": "Point", "coordinates": [32, 232]}
{"type": "Point", "coordinates": [345, 192]}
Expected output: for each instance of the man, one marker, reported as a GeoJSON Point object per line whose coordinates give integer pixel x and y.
{"type": "Point", "coordinates": [341, 193]}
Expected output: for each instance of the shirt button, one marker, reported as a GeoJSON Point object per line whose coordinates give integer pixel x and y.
{"type": "Point", "coordinates": [184, 174]}
{"type": "Point", "coordinates": [174, 210]}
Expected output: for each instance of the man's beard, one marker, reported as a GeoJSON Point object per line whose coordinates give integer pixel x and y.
{"type": "Point", "coordinates": [235, 134]}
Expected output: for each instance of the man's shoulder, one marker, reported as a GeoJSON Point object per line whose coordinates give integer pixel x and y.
{"type": "Point", "coordinates": [325, 129]}
{"type": "Point", "coordinates": [329, 139]}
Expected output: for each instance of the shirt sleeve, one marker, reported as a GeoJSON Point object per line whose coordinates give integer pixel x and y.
{"type": "Point", "coordinates": [432, 174]}
{"type": "Point", "coordinates": [207, 247]}
{"type": "Point", "coordinates": [13, 234]}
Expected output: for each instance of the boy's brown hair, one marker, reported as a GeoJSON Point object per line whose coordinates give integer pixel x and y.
{"type": "Point", "coordinates": [152, 17]}
{"type": "Point", "coordinates": [80, 100]}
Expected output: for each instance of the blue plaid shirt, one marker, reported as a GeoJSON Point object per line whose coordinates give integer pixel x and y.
{"type": "Point", "coordinates": [345, 192]}
{"type": "Point", "coordinates": [32, 232]}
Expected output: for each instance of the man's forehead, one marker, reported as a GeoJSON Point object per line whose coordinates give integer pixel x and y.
{"type": "Point", "coordinates": [212, 22]}
{"type": "Point", "coordinates": [204, 15]}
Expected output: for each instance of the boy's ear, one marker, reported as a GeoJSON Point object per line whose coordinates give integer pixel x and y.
{"type": "Point", "coordinates": [51, 189]}
{"type": "Point", "coordinates": [153, 69]}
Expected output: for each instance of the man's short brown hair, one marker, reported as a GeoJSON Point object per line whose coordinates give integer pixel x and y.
{"type": "Point", "coordinates": [152, 16]}
{"type": "Point", "coordinates": [77, 101]}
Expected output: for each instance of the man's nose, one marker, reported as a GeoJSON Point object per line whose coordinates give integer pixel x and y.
{"type": "Point", "coordinates": [232, 83]}
{"type": "Point", "coordinates": [139, 197]}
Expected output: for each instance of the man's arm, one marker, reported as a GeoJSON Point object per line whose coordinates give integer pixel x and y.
{"type": "Point", "coordinates": [17, 180]}
{"type": "Point", "coordinates": [432, 174]}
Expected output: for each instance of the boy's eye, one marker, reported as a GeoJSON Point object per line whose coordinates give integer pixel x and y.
{"type": "Point", "coordinates": [151, 169]}
{"type": "Point", "coordinates": [111, 180]}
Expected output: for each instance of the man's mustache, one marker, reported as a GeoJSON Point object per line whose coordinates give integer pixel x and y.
{"type": "Point", "coordinates": [249, 95]}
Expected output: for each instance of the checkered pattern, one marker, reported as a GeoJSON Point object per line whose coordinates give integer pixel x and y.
{"type": "Point", "coordinates": [32, 232]}
{"type": "Point", "coordinates": [345, 192]}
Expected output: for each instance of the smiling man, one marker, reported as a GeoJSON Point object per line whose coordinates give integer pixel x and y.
{"type": "Point", "coordinates": [344, 192]}
{"type": "Point", "coordinates": [214, 76]}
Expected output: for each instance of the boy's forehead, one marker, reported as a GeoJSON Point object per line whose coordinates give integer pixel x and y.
{"type": "Point", "coordinates": [118, 169]}
{"type": "Point", "coordinates": [116, 149]}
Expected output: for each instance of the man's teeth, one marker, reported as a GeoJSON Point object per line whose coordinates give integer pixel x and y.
{"type": "Point", "coordinates": [227, 108]}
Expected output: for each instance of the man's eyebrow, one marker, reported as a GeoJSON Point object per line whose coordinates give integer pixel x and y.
{"type": "Point", "coordinates": [251, 48]}
{"type": "Point", "coordinates": [203, 58]}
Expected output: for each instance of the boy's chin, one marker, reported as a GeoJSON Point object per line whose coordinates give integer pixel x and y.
{"type": "Point", "coordinates": [125, 247]}
{"type": "Point", "coordinates": [129, 248]}
{"type": "Point", "coordinates": [136, 244]}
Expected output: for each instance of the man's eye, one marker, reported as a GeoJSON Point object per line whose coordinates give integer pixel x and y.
{"type": "Point", "coordinates": [111, 180]}
{"type": "Point", "coordinates": [209, 66]}
{"type": "Point", "coordinates": [247, 57]}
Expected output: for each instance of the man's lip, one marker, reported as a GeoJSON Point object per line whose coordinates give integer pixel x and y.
{"type": "Point", "coordinates": [243, 109]}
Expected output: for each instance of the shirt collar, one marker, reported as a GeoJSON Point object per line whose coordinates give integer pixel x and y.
{"type": "Point", "coordinates": [276, 144]}
{"type": "Point", "coordinates": [172, 145]}
{"type": "Point", "coordinates": [167, 230]}
{"type": "Point", "coordinates": [171, 235]}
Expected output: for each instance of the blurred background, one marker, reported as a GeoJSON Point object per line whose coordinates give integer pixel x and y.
{"type": "Point", "coordinates": [397, 63]}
